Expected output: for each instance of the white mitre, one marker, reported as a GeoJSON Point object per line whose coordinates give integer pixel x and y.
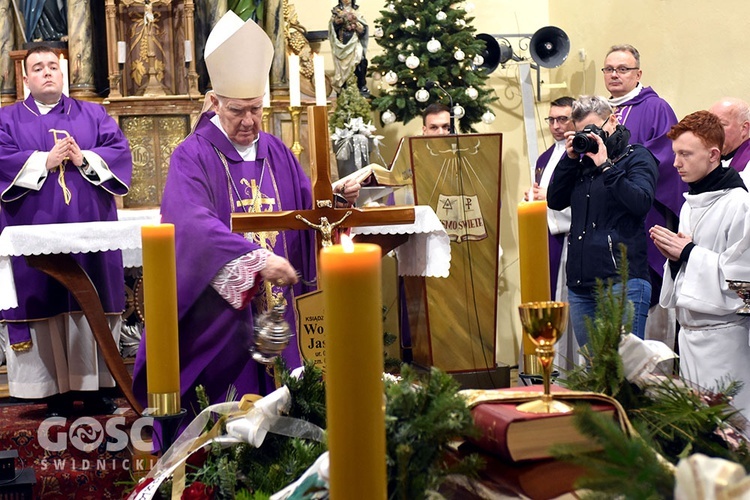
{"type": "Point", "coordinates": [238, 57]}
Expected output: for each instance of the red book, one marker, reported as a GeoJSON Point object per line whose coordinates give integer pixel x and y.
{"type": "Point", "coordinates": [515, 436]}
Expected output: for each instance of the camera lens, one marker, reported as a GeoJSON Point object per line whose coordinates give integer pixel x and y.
{"type": "Point", "coordinates": [582, 143]}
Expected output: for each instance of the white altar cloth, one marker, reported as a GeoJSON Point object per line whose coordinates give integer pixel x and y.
{"type": "Point", "coordinates": [76, 237]}
{"type": "Point", "coordinates": [428, 237]}
{"type": "Point", "coordinates": [428, 250]}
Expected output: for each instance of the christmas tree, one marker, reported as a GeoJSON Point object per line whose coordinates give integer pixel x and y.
{"type": "Point", "coordinates": [430, 41]}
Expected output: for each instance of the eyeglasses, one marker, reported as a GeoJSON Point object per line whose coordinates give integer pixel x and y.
{"type": "Point", "coordinates": [562, 120]}
{"type": "Point", "coordinates": [620, 71]}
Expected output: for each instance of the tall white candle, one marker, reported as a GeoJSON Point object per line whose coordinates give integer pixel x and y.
{"type": "Point", "coordinates": [64, 70]}
{"type": "Point", "coordinates": [294, 92]}
{"type": "Point", "coordinates": [267, 95]}
{"type": "Point", "coordinates": [188, 51]}
{"type": "Point", "coordinates": [122, 50]}
{"type": "Point", "coordinates": [320, 80]}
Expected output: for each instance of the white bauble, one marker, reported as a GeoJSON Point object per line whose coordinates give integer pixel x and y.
{"type": "Point", "coordinates": [387, 117]}
{"type": "Point", "coordinates": [434, 45]}
{"type": "Point", "coordinates": [488, 117]}
{"type": "Point", "coordinates": [409, 23]}
{"type": "Point", "coordinates": [391, 77]}
{"type": "Point", "coordinates": [441, 16]}
{"type": "Point", "coordinates": [378, 32]}
{"type": "Point", "coordinates": [422, 95]}
{"type": "Point", "coordinates": [459, 55]}
{"type": "Point", "coordinates": [472, 93]}
{"type": "Point", "coordinates": [458, 111]}
{"type": "Point", "coordinates": [401, 57]}
{"type": "Point", "coordinates": [391, 7]}
{"type": "Point", "coordinates": [461, 23]}
{"type": "Point", "coordinates": [478, 60]}
{"type": "Point", "coordinates": [412, 61]}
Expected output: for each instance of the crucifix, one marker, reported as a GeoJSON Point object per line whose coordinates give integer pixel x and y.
{"type": "Point", "coordinates": [323, 212]}
{"type": "Point", "coordinates": [323, 217]}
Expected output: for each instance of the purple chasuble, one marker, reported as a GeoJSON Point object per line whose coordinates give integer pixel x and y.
{"type": "Point", "coordinates": [23, 130]}
{"type": "Point", "coordinates": [199, 198]}
{"type": "Point", "coordinates": [741, 157]}
{"type": "Point", "coordinates": [648, 117]}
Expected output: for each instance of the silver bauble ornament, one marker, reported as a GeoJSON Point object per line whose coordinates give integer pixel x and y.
{"type": "Point", "coordinates": [422, 95]}
{"type": "Point", "coordinates": [478, 60]}
{"type": "Point", "coordinates": [472, 93]}
{"type": "Point", "coordinates": [387, 117]}
{"type": "Point", "coordinates": [488, 117]}
{"type": "Point", "coordinates": [391, 7]}
{"type": "Point", "coordinates": [458, 111]}
{"type": "Point", "coordinates": [434, 45]}
{"type": "Point", "coordinates": [391, 77]}
{"type": "Point", "coordinates": [401, 57]}
{"type": "Point", "coordinates": [409, 23]}
{"type": "Point", "coordinates": [459, 55]}
{"type": "Point", "coordinates": [441, 16]}
{"type": "Point", "coordinates": [412, 61]}
{"type": "Point", "coordinates": [378, 32]}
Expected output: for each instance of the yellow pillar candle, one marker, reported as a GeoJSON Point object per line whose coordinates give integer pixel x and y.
{"type": "Point", "coordinates": [351, 283]}
{"type": "Point", "coordinates": [160, 297]}
{"type": "Point", "coordinates": [533, 256]}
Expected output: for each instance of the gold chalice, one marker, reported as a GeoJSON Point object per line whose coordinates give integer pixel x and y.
{"type": "Point", "coordinates": [544, 323]}
{"type": "Point", "coordinates": [742, 288]}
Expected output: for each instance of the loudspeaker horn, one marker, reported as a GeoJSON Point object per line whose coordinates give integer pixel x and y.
{"type": "Point", "coordinates": [494, 53]}
{"type": "Point", "coordinates": [549, 47]}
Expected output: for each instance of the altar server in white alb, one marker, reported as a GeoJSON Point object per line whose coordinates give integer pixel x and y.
{"type": "Point", "coordinates": [712, 246]}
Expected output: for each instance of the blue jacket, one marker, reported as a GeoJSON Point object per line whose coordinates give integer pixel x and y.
{"type": "Point", "coordinates": [607, 208]}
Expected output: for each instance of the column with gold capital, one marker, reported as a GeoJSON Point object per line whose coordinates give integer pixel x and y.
{"type": "Point", "coordinates": [160, 298]}
{"type": "Point", "coordinates": [355, 407]}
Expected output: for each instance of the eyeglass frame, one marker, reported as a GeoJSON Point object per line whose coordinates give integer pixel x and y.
{"type": "Point", "coordinates": [620, 71]}
{"type": "Point", "coordinates": [562, 120]}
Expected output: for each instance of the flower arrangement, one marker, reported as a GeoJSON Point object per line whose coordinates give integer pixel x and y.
{"type": "Point", "coordinates": [424, 412]}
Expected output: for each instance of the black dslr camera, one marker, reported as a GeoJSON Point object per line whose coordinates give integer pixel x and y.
{"type": "Point", "coordinates": [583, 144]}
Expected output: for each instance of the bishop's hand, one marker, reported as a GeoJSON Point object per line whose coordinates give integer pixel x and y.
{"type": "Point", "coordinates": [279, 271]}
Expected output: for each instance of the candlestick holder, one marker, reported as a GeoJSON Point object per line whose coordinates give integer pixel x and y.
{"type": "Point", "coordinates": [544, 323]}
{"type": "Point", "coordinates": [296, 112]}
{"type": "Point", "coordinates": [266, 120]}
{"type": "Point", "coordinates": [742, 289]}
{"type": "Point", "coordinates": [169, 425]}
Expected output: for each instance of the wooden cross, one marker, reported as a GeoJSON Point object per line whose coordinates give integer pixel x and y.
{"type": "Point", "coordinates": [323, 208]}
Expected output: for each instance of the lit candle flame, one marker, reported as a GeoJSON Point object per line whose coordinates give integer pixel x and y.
{"type": "Point", "coordinates": [347, 243]}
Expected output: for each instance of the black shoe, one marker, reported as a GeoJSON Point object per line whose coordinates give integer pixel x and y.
{"type": "Point", "coordinates": [98, 405]}
{"type": "Point", "coordinates": [59, 405]}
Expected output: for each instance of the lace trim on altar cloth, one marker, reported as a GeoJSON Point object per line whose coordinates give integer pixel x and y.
{"type": "Point", "coordinates": [238, 276]}
{"type": "Point", "coordinates": [428, 251]}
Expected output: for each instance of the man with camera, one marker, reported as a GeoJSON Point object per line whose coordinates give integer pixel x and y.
{"type": "Point", "coordinates": [609, 185]}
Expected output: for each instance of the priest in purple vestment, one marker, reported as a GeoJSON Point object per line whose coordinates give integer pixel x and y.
{"type": "Point", "coordinates": [61, 161]}
{"type": "Point", "coordinates": [648, 117]}
{"type": "Point", "coordinates": [734, 115]}
{"type": "Point", "coordinates": [229, 165]}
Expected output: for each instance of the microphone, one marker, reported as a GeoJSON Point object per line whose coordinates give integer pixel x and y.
{"type": "Point", "coordinates": [431, 84]}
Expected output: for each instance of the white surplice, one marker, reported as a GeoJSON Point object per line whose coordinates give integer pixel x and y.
{"type": "Point", "coordinates": [713, 339]}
